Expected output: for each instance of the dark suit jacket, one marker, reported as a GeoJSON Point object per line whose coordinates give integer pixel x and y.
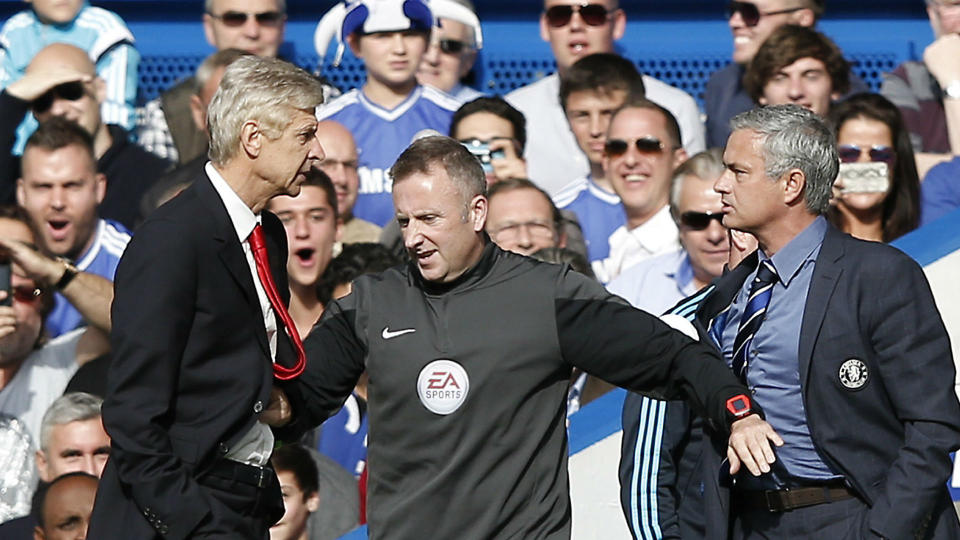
{"type": "Point", "coordinates": [890, 437]}
{"type": "Point", "coordinates": [191, 368]}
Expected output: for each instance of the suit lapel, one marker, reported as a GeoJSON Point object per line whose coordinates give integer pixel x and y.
{"type": "Point", "coordinates": [231, 254]}
{"type": "Point", "coordinates": [826, 274]}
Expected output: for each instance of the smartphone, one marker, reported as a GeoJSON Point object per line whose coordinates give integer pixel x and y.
{"type": "Point", "coordinates": [873, 177]}
{"type": "Point", "coordinates": [481, 149]}
{"type": "Point", "coordinates": [5, 284]}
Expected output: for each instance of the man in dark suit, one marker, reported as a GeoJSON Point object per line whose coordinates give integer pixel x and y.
{"type": "Point", "coordinates": [842, 346]}
{"type": "Point", "coordinates": [199, 325]}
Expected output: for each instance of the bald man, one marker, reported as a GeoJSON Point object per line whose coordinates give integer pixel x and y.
{"type": "Point", "coordinates": [62, 81]}
{"type": "Point", "coordinates": [65, 507]}
{"type": "Point", "coordinates": [340, 164]}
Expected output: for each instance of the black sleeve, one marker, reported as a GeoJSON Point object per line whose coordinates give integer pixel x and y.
{"type": "Point", "coordinates": [335, 361]}
{"type": "Point", "coordinates": [12, 111]}
{"type": "Point", "coordinates": [604, 336]}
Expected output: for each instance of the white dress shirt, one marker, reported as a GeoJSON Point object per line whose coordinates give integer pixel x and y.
{"type": "Point", "coordinates": [628, 247]}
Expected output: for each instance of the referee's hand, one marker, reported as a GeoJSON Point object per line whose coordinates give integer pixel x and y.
{"type": "Point", "coordinates": [749, 445]}
{"type": "Point", "coordinates": [278, 412]}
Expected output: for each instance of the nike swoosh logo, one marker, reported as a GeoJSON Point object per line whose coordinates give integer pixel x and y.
{"type": "Point", "coordinates": [387, 334]}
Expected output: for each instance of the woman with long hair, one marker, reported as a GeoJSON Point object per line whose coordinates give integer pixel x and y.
{"type": "Point", "coordinates": [870, 129]}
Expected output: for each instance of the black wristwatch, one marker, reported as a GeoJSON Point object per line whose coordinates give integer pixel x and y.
{"type": "Point", "coordinates": [69, 272]}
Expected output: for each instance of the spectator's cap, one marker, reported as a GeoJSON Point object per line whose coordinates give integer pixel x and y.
{"type": "Point", "coordinates": [369, 16]}
{"type": "Point", "coordinates": [456, 11]}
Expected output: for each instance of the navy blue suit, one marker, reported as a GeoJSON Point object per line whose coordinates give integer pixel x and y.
{"type": "Point", "coordinates": [890, 431]}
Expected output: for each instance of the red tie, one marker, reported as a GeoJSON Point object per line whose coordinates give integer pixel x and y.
{"type": "Point", "coordinates": [266, 279]}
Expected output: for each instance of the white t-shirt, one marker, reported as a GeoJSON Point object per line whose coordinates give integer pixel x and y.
{"type": "Point", "coordinates": [554, 158]}
{"type": "Point", "coordinates": [41, 380]}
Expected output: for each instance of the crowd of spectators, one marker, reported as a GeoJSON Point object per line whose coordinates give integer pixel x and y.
{"type": "Point", "coordinates": [597, 165]}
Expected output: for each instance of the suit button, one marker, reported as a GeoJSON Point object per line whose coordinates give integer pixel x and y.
{"type": "Point", "coordinates": [258, 407]}
{"type": "Point", "coordinates": [223, 448]}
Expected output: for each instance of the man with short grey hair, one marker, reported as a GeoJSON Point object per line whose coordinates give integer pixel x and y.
{"type": "Point", "coordinates": [202, 325]}
{"type": "Point", "coordinates": [492, 410]}
{"type": "Point", "coordinates": [839, 341]}
{"type": "Point", "coordinates": [72, 437]}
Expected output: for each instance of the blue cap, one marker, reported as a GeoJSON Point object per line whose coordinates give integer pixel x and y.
{"type": "Point", "coordinates": [369, 16]}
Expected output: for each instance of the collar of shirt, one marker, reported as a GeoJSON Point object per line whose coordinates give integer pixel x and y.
{"type": "Point", "coordinates": [242, 218]}
{"type": "Point", "coordinates": [801, 249]}
{"type": "Point", "coordinates": [657, 233]}
{"type": "Point", "coordinates": [683, 273]}
{"type": "Point", "coordinates": [601, 193]}
{"type": "Point", "coordinates": [87, 257]}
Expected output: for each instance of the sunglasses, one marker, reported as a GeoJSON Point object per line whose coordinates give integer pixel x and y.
{"type": "Point", "coordinates": [592, 14]}
{"type": "Point", "coordinates": [71, 91]}
{"type": "Point", "coordinates": [699, 221]}
{"type": "Point", "coordinates": [645, 145]}
{"type": "Point", "coordinates": [452, 46]}
{"type": "Point", "coordinates": [751, 14]}
{"type": "Point", "coordinates": [25, 294]}
{"type": "Point", "coordinates": [239, 18]}
{"type": "Point", "coordinates": [850, 153]}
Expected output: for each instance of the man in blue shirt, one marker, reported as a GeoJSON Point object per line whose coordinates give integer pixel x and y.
{"type": "Point", "coordinates": [660, 282]}
{"type": "Point", "coordinates": [940, 191]}
{"type": "Point", "coordinates": [60, 190]}
{"type": "Point", "coordinates": [842, 346]}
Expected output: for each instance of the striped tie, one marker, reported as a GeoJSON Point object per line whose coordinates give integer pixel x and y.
{"type": "Point", "coordinates": [753, 316]}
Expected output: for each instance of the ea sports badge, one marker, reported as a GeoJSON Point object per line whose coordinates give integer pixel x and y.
{"type": "Point", "coordinates": [443, 386]}
{"type": "Point", "coordinates": [854, 374]}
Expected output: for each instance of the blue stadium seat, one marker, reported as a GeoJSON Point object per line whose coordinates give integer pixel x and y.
{"type": "Point", "coordinates": [500, 72]}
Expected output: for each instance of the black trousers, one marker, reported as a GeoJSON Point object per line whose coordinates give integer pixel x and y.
{"type": "Point", "coordinates": [240, 511]}
{"type": "Point", "coordinates": [841, 520]}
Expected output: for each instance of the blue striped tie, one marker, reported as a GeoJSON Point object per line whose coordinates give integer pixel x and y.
{"type": "Point", "coordinates": [753, 316]}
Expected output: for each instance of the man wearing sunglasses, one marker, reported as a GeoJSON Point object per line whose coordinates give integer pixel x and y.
{"type": "Point", "coordinates": [927, 92]}
{"type": "Point", "coordinates": [33, 370]}
{"type": "Point", "coordinates": [101, 34]}
{"type": "Point", "coordinates": [751, 22]}
{"type": "Point", "coordinates": [165, 126]}
{"type": "Point", "coordinates": [639, 156]}
{"type": "Point", "coordinates": [842, 345]}
{"type": "Point", "coordinates": [453, 49]}
{"type": "Point", "coordinates": [62, 82]}
{"type": "Point", "coordinates": [660, 282]}
{"type": "Point", "coordinates": [575, 29]}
